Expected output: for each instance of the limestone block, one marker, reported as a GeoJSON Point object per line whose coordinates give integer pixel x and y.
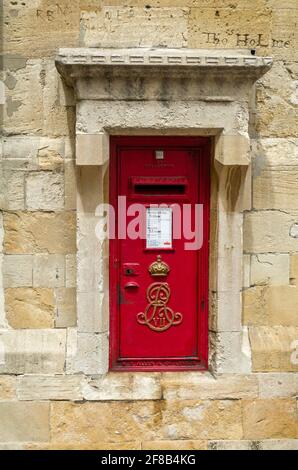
{"type": "Point", "coordinates": [200, 419]}
{"type": "Point", "coordinates": [70, 271]}
{"type": "Point", "coordinates": [39, 152]}
{"type": "Point", "coordinates": [221, 303]}
{"type": "Point", "coordinates": [232, 445]}
{"type": "Point", "coordinates": [11, 446]}
{"type": "Point", "coordinates": [101, 445]}
{"type": "Point", "coordinates": [246, 270]}
{"type": "Point", "coordinates": [270, 269]}
{"type": "Point", "coordinates": [284, 31]}
{"type": "Point", "coordinates": [145, 420]}
{"type": "Point", "coordinates": [134, 26]}
{"type": "Point", "coordinates": [270, 419]}
{"type": "Point", "coordinates": [99, 422]}
{"type": "Point", "coordinates": [21, 422]}
{"type": "Point", "coordinates": [29, 308]}
{"type": "Point", "coordinates": [234, 150]}
{"type": "Point", "coordinates": [48, 270]}
{"type": "Point", "coordinates": [70, 185]}
{"type": "Point", "coordinates": [276, 103]}
{"type": "Point", "coordinates": [27, 232]}
{"type": "Point", "coordinates": [12, 192]}
{"type": "Point", "coordinates": [274, 349]}
{"type": "Point", "coordinates": [271, 152]}
{"type": "Point", "coordinates": [126, 386]}
{"type": "Point", "coordinates": [274, 385]}
{"type": "Point", "coordinates": [45, 191]}
{"type": "Point", "coordinates": [294, 269]}
{"type": "Point", "coordinates": [65, 307]}
{"type": "Point", "coordinates": [271, 305]}
{"type": "Point", "coordinates": [279, 444]}
{"type": "Point", "coordinates": [93, 314]}
{"type": "Point", "coordinates": [276, 188]}
{"type": "Point", "coordinates": [92, 353]}
{"type": "Point", "coordinates": [269, 231]}
{"type": "Point", "coordinates": [190, 386]}
{"type": "Point", "coordinates": [58, 120]}
{"type": "Point", "coordinates": [17, 270]}
{"type": "Point", "coordinates": [174, 445]}
{"type": "Point", "coordinates": [39, 28]}
{"type": "Point", "coordinates": [95, 116]}
{"type": "Point", "coordinates": [7, 387]}
{"type": "Point", "coordinates": [71, 350]}
{"type": "Point", "coordinates": [32, 351]}
{"type": "Point", "coordinates": [230, 352]}
{"type": "Point", "coordinates": [92, 149]}
{"type": "Point", "coordinates": [22, 113]}
{"type": "Point", "coordinates": [47, 387]}
{"type": "Point", "coordinates": [244, 28]}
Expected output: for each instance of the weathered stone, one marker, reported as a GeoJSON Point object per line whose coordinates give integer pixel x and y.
{"type": "Point", "coordinates": [70, 185]}
{"type": "Point", "coordinates": [246, 270]}
{"type": "Point", "coordinates": [270, 152]}
{"type": "Point", "coordinates": [232, 28]}
{"type": "Point", "coordinates": [294, 269]}
{"type": "Point", "coordinates": [270, 419]}
{"type": "Point", "coordinates": [12, 194]}
{"type": "Point", "coordinates": [277, 111]}
{"type": "Point", "coordinates": [38, 29]}
{"type": "Point", "coordinates": [279, 444]}
{"type": "Point", "coordinates": [21, 113]}
{"type": "Point", "coordinates": [93, 312]}
{"type": "Point", "coordinates": [278, 385]}
{"type": "Point", "coordinates": [174, 445]}
{"type": "Point", "coordinates": [123, 387]}
{"type": "Point", "coordinates": [95, 423]}
{"type": "Point", "coordinates": [47, 387]}
{"type": "Point", "coordinates": [271, 305]}
{"type": "Point", "coordinates": [7, 387]}
{"type": "Point", "coordinates": [65, 307]}
{"type": "Point", "coordinates": [21, 422]}
{"type": "Point", "coordinates": [32, 351]}
{"type": "Point", "coordinates": [231, 445]}
{"type": "Point", "coordinates": [48, 270]}
{"type": "Point", "coordinates": [270, 269]}
{"type": "Point", "coordinates": [45, 191]}
{"type": "Point", "coordinates": [212, 419]}
{"type": "Point", "coordinates": [100, 445]}
{"type": "Point", "coordinates": [27, 232]}
{"type": "Point", "coordinates": [145, 420]}
{"type": "Point", "coordinates": [92, 353]}
{"type": "Point", "coordinates": [92, 149]}
{"type": "Point", "coordinates": [269, 231]}
{"type": "Point", "coordinates": [134, 27]}
{"type": "Point", "coordinates": [273, 348]}
{"type": "Point", "coordinates": [190, 386]}
{"type": "Point", "coordinates": [223, 346]}
{"type": "Point", "coordinates": [17, 270]}
{"type": "Point", "coordinates": [276, 188]}
{"type": "Point", "coordinates": [70, 271]}
{"type": "Point", "coordinates": [29, 308]}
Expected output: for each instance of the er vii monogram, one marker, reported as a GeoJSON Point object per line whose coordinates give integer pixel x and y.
{"type": "Point", "coordinates": [158, 316]}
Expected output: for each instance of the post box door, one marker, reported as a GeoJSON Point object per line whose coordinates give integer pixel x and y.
{"type": "Point", "coordinates": [158, 288]}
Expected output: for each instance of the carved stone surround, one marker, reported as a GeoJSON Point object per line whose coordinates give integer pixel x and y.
{"type": "Point", "coordinates": [163, 92]}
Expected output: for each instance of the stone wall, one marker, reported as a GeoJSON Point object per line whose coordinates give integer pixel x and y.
{"type": "Point", "coordinates": [44, 402]}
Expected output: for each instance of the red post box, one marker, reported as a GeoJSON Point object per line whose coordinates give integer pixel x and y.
{"type": "Point", "coordinates": [158, 278]}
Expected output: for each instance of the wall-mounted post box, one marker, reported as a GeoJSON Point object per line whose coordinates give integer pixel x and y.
{"type": "Point", "coordinates": [158, 286]}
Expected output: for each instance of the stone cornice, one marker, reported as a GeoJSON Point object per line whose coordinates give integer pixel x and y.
{"type": "Point", "coordinates": [80, 62]}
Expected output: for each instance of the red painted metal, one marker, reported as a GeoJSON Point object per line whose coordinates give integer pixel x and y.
{"type": "Point", "coordinates": [186, 168]}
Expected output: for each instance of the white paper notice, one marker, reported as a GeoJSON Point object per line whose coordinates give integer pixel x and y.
{"type": "Point", "coordinates": [159, 227]}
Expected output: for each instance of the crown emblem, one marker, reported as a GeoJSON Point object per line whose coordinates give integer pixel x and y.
{"type": "Point", "coordinates": [159, 267]}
